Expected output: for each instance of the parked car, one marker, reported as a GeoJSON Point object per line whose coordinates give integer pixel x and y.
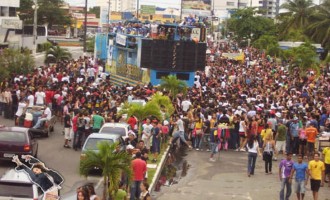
{"type": "Point", "coordinates": [17, 141]}
{"type": "Point", "coordinates": [95, 138]}
{"type": "Point", "coordinates": [16, 185]}
{"type": "Point", "coordinates": [116, 128]}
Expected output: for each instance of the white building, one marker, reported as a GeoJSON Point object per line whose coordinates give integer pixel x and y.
{"type": "Point", "coordinates": [9, 21]}
{"type": "Point", "coordinates": [118, 5]}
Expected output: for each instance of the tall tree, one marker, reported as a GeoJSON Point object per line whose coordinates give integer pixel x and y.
{"type": "Point", "coordinates": [319, 28]}
{"type": "Point", "coordinates": [95, 10]}
{"type": "Point", "coordinates": [49, 12]}
{"type": "Point", "coordinates": [245, 23]}
{"type": "Point", "coordinates": [303, 58]}
{"type": "Point", "coordinates": [112, 163]}
{"type": "Point", "coordinates": [297, 15]}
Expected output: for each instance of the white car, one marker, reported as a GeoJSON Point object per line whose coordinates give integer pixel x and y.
{"type": "Point", "coordinates": [95, 138]}
{"type": "Point", "coordinates": [116, 128]}
{"type": "Point", "coordinates": [16, 185]}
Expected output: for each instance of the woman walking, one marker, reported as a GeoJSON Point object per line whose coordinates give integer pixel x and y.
{"type": "Point", "coordinates": [242, 133]}
{"type": "Point", "coordinates": [268, 152]}
{"type": "Point", "coordinates": [253, 152]}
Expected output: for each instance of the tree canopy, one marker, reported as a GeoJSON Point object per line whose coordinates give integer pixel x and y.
{"type": "Point", "coordinates": [13, 61]}
{"type": "Point", "coordinates": [245, 23]}
{"type": "Point", "coordinates": [49, 12]}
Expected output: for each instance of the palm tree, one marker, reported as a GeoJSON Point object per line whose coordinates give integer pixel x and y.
{"type": "Point", "coordinates": [112, 163]}
{"type": "Point", "coordinates": [142, 112]}
{"type": "Point", "coordinates": [173, 85]}
{"type": "Point", "coordinates": [319, 28]}
{"type": "Point", "coordinates": [56, 54]}
{"type": "Point", "coordinates": [297, 15]}
{"type": "Point", "coordinates": [164, 102]}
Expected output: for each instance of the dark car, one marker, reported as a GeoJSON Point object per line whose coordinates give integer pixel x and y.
{"type": "Point", "coordinates": [17, 141]}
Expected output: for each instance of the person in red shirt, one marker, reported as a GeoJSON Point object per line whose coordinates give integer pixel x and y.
{"type": "Point", "coordinates": [49, 97]}
{"type": "Point", "coordinates": [311, 133]}
{"type": "Point", "coordinates": [139, 168]}
{"type": "Point", "coordinates": [132, 122]}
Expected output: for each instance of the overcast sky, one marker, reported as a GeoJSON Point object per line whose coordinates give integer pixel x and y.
{"type": "Point", "coordinates": [159, 3]}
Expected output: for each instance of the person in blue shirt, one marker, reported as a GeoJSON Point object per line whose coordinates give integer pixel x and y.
{"type": "Point", "coordinates": [301, 177]}
{"type": "Point", "coordinates": [294, 130]}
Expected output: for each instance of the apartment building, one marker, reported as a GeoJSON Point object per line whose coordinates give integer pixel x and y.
{"type": "Point", "coordinates": [9, 20]}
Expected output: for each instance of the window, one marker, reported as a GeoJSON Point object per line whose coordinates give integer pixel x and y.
{"type": "Point", "coordinates": [270, 2]}
{"type": "Point", "coordinates": [230, 3]}
{"type": "Point", "coordinates": [269, 13]}
{"type": "Point", "coordinates": [159, 75]}
{"type": "Point", "coordinates": [243, 5]}
{"type": "Point", "coordinates": [260, 2]}
{"type": "Point", "coordinates": [12, 12]}
{"type": "Point", "coordinates": [183, 76]}
{"type": "Point", "coordinates": [130, 54]}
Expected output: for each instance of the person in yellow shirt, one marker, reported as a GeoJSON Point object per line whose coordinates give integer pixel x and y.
{"type": "Point", "coordinates": [326, 153]}
{"type": "Point", "coordinates": [316, 170]}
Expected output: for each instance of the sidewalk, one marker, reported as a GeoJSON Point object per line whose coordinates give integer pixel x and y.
{"type": "Point", "coordinates": [227, 179]}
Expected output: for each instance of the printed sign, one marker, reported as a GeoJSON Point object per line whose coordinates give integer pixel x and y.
{"type": "Point", "coordinates": [121, 39]}
{"type": "Point", "coordinates": [196, 7]}
{"type": "Point", "coordinates": [148, 10]}
{"type": "Point", "coordinates": [195, 33]}
{"type": "Point", "coordinates": [12, 23]}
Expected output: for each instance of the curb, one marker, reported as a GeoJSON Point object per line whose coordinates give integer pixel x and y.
{"type": "Point", "coordinates": [159, 168]}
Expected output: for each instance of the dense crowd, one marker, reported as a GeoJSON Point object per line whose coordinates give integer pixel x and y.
{"type": "Point", "coordinates": [233, 105]}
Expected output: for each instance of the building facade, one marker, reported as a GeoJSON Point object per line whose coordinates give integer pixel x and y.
{"type": "Point", "coordinates": [118, 5]}
{"type": "Point", "coordinates": [9, 21]}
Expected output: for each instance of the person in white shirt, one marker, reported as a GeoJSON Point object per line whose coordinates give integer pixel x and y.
{"type": "Point", "coordinates": [47, 115]}
{"type": "Point", "coordinates": [30, 99]}
{"type": "Point", "coordinates": [147, 133]}
{"type": "Point", "coordinates": [91, 74]}
{"type": "Point", "coordinates": [20, 109]}
{"type": "Point", "coordinates": [253, 152]}
{"type": "Point", "coordinates": [40, 97]}
{"type": "Point", "coordinates": [186, 105]}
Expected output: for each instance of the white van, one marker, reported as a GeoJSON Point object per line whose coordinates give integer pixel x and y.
{"type": "Point", "coordinates": [17, 186]}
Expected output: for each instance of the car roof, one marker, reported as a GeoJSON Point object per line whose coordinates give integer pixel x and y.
{"type": "Point", "coordinates": [103, 136]}
{"type": "Point", "coordinates": [14, 129]}
{"type": "Point", "coordinates": [15, 176]}
{"type": "Point", "coordinates": [119, 125]}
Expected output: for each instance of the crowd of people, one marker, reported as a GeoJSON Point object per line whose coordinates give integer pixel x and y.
{"type": "Point", "coordinates": [258, 105]}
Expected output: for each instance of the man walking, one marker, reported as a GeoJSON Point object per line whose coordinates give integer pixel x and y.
{"type": "Point", "coordinates": [311, 133]}
{"type": "Point", "coordinates": [284, 173]}
{"type": "Point", "coordinates": [280, 138]}
{"type": "Point", "coordinates": [301, 177]}
{"type": "Point", "coordinates": [139, 167]}
{"type": "Point", "coordinates": [316, 172]}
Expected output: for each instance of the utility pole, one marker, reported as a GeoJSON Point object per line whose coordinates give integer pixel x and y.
{"type": "Point", "coordinates": [109, 11]}
{"type": "Point", "coordinates": [137, 9]}
{"type": "Point", "coordinates": [35, 25]}
{"type": "Point", "coordinates": [181, 10]}
{"type": "Point", "coordinates": [85, 27]}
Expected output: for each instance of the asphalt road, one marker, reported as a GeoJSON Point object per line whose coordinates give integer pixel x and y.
{"type": "Point", "coordinates": [227, 179]}
{"type": "Point", "coordinates": [75, 51]}
{"type": "Point", "coordinates": [56, 157]}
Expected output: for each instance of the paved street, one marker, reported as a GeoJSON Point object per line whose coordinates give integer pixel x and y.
{"type": "Point", "coordinates": [227, 179]}
{"type": "Point", "coordinates": [51, 151]}
{"type": "Point", "coordinates": [75, 51]}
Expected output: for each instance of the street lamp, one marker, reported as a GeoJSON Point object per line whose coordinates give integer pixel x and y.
{"type": "Point", "coordinates": [35, 24]}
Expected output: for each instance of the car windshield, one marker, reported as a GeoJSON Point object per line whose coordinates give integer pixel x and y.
{"type": "Point", "coordinates": [91, 143]}
{"type": "Point", "coordinates": [16, 190]}
{"type": "Point", "coordinates": [114, 130]}
{"type": "Point", "coordinates": [10, 136]}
